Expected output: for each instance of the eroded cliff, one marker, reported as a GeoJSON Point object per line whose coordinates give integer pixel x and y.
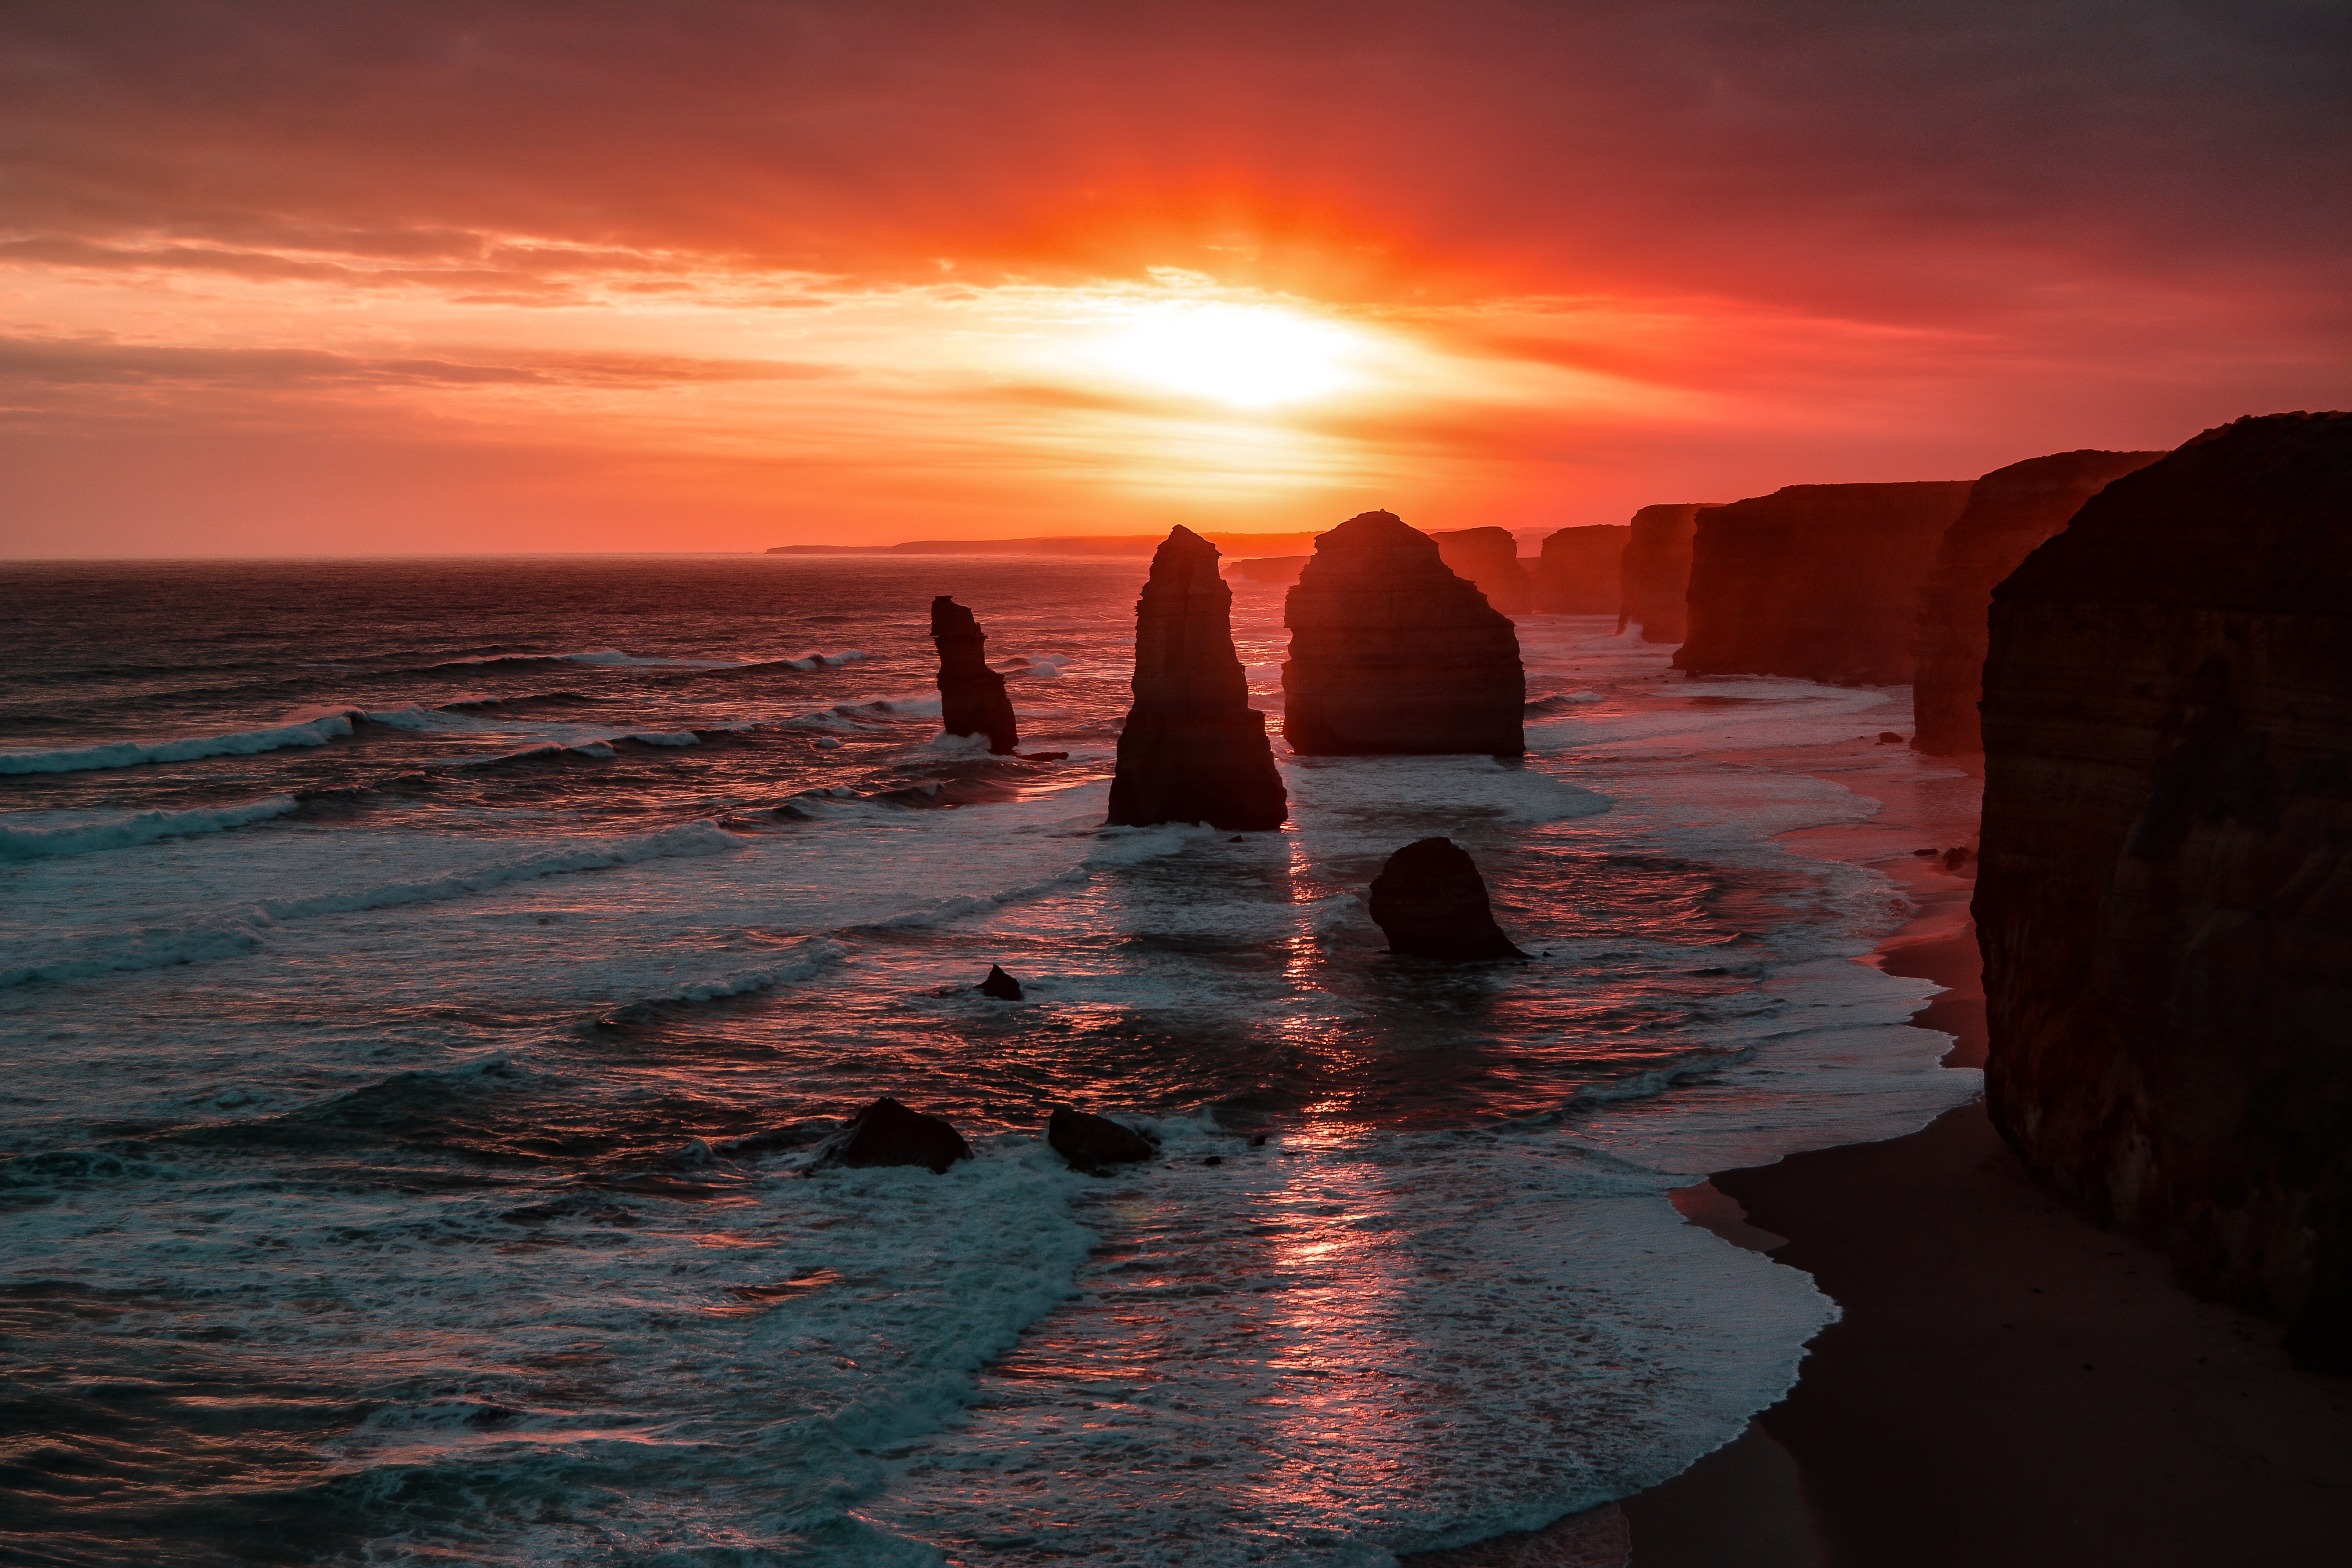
{"type": "Point", "coordinates": [1577, 574]}
{"type": "Point", "coordinates": [1489, 559]}
{"type": "Point", "coordinates": [971, 696]}
{"type": "Point", "coordinates": [1654, 573]}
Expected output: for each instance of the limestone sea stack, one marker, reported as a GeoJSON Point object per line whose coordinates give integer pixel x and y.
{"type": "Point", "coordinates": [1430, 902]}
{"type": "Point", "coordinates": [971, 695]}
{"type": "Point", "coordinates": [1654, 573]}
{"type": "Point", "coordinates": [1577, 574]}
{"type": "Point", "coordinates": [2165, 894]}
{"type": "Point", "coordinates": [1821, 582]}
{"type": "Point", "coordinates": [1391, 652]}
{"type": "Point", "coordinates": [1193, 749]}
{"type": "Point", "coordinates": [2009, 512]}
{"type": "Point", "coordinates": [1489, 558]}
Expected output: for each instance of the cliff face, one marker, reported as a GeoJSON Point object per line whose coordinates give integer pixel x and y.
{"type": "Point", "coordinates": [1816, 581]}
{"type": "Point", "coordinates": [2009, 512]}
{"type": "Point", "coordinates": [1391, 652]}
{"type": "Point", "coordinates": [2165, 900]}
{"type": "Point", "coordinates": [971, 695]}
{"type": "Point", "coordinates": [1654, 573]}
{"type": "Point", "coordinates": [1193, 749]}
{"type": "Point", "coordinates": [1577, 574]}
{"type": "Point", "coordinates": [1488, 558]}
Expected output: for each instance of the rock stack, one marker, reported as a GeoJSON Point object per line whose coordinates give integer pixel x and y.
{"type": "Point", "coordinates": [1391, 652]}
{"type": "Point", "coordinates": [2009, 512]}
{"type": "Point", "coordinates": [1816, 581]}
{"type": "Point", "coordinates": [1577, 574]}
{"type": "Point", "coordinates": [1654, 573]}
{"type": "Point", "coordinates": [1489, 559]}
{"type": "Point", "coordinates": [971, 695]}
{"type": "Point", "coordinates": [1430, 902]}
{"type": "Point", "coordinates": [1193, 749]}
{"type": "Point", "coordinates": [2164, 893]}
{"type": "Point", "coordinates": [887, 1133]}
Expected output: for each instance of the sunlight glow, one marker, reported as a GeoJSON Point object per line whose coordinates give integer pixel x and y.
{"type": "Point", "coordinates": [1249, 356]}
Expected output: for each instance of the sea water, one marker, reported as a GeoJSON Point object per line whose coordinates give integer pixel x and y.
{"type": "Point", "coordinates": [394, 957]}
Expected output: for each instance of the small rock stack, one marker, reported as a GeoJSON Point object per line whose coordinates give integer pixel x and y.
{"type": "Point", "coordinates": [971, 695]}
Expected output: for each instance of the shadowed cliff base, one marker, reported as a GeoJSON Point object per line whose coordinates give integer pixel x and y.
{"type": "Point", "coordinates": [971, 696]}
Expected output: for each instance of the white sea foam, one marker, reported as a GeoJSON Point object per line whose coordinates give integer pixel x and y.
{"type": "Point", "coordinates": [142, 828]}
{"type": "Point", "coordinates": [132, 753]}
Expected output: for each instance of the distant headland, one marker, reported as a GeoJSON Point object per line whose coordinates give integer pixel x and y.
{"type": "Point", "coordinates": [1139, 544]}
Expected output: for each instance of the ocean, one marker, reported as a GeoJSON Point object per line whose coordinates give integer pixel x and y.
{"type": "Point", "coordinates": [422, 982]}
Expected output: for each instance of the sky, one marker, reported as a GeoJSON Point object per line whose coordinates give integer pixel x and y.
{"type": "Point", "coordinates": [382, 277]}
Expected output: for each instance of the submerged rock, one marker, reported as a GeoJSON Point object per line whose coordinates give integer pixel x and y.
{"type": "Point", "coordinates": [2164, 893]}
{"type": "Point", "coordinates": [887, 1133]}
{"type": "Point", "coordinates": [1193, 749]}
{"type": "Point", "coordinates": [1654, 576]}
{"type": "Point", "coordinates": [1821, 582]}
{"type": "Point", "coordinates": [1391, 652]}
{"type": "Point", "coordinates": [2009, 512]}
{"type": "Point", "coordinates": [1089, 1142]}
{"type": "Point", "coordinates": [1001, 985]}
{"type": "Point", "coordinates": [1431, 902]}
{"type": "Point", "coordinates": [1489, 559]}
{"type": "Point", "coordinates": [1577, 572]}
{"type": "Point", "coordinates": [971, 695]}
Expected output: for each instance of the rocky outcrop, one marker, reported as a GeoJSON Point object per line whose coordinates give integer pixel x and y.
{"type": "Point", "coordinates": [1431, 902]}
{"type": "Point", "coordinates": [1816, 581]}
{"type": "Point", "coordinates": [1488, 558]}
{"type": "Point", "coordinates": [998, 985]}
{"type": "Point", "coordinates": [1089, 1142]}
{"type": "Point", "coordinates": [971, 695]}
{"type": "Point", "coordinates": [1577, 574]}
{"type": "Point", "coordinates": [1193, 750]}
{"type": "Point", "coordinates": [2009, 512]}
{"type": "Point", "coordinates": [2165, 888]}
{"type": "Point", "coordinates": [1654, 573]}
{"type": "Point", "coordinates": [1281, 571]}
{"type": "Point", "coordinates": [1391, 652]}
{"type": "Point", "coordinates": [887, 1133]}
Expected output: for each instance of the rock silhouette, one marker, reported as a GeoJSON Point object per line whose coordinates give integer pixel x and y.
{"type": "Point", "coordinates": [1193, 749]}
{"type": "Point", "coordinates": [1000, 986]}
{"type": "Point", "coordinates": [971, 695]}
{"type": "Point", "coordinates": [1488, 558]}
{"type": "Point", "coordinates": [1431, 902]}
{"type": "Point", "coordinates": [1578, 572]}
{"type": "Point", "coordinates": [1391, 652]}
{"type": "Point", "coordinates": [1654, 573]}
{"type": "Point", "coordinates": [887, 1133]}
{"type": "Point", "coordinates": [2009, 512]}
{"type": "Point", "coordinates": [2164, 879]}
{"type": "Point", "coordinates": [1816, 581]}
{"type": "Point", "coordinates": [1089, 1142]}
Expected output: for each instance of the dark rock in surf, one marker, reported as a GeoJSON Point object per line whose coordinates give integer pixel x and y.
{"type": "Point", "coordinates": [1001, 985]}
{"type": "Point", "coordinates": [1193, 750]}
{"type": "Point", "coordinates": [887, 1133]}
{"type": "Point", "coordinates": [1392, 653]}
{"type": "Point", "coordinates": [1431, 902]}
{"type": "Point", "coordinates": [1089, 1142]}
{"type": "Point", "coordinates": [971, 695]}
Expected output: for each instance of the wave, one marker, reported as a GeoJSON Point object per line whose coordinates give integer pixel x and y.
{"type": "Point", "coordinates": [808, 957]}
{"type": "Point", "coordinates": [314, 732]}
{"type": "Point", "coordinates": [145, 828]}
{"type": "Point", "coordinates": [228, 935]}
{"type": "Point", "coordinates": [612, 657]}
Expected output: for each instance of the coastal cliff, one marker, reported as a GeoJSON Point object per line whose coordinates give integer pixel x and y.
{"type": "Point", "coordinates": [971, 695]}
{"type": "Point", "coordinates": [1816, 581]}
{"type": "Point", "coordinates": [1391, 652]}
{"type": "Point", "coordinates": [1578, 572]}
{"type": "Point", "coordinates": [1193, 750]}
{"type": "Point", "coordinates": [2165, 897]}
{"type": "Point", "coordinates": [1654, 573]}
{"type": "Point", "coordinates": [2009, 512]}
{"type": "Point", "coordinates": [1489, 559]}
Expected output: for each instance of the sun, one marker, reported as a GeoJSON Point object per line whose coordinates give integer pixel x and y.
{"type": "Point", "coordinates": [1252, 356]}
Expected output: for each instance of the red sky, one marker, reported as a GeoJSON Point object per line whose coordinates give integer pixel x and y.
{"type": "Point", "coordinates": [384, 277]}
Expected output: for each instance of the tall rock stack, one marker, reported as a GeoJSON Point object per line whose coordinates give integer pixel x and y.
{"type": "Point", "coordinates": [1816, 581]}
{"type": "Point", "coordinates": [1489, 558]}
{"type": "Point", "coordinates": [2165, 898]}
{"type": "Point", "coordinates": [1577, 574]}
{"type": "Point", "coordinates": [971, 695]}
{"type": "Point", "coordinates": [1391, 652]}
{"type": "Point", "coordinates": [2009, 512]}
{"type": "Point", "coordinates": [1654, 573]}
{"type": "Point", "coordinates": [1193, 749]}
